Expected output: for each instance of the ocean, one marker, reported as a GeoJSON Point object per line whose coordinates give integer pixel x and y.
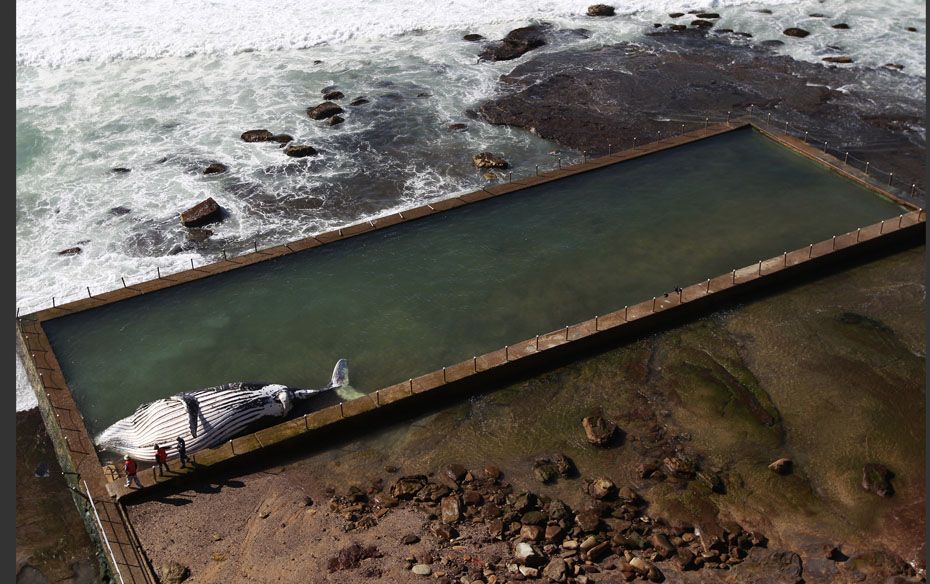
{"type": "Point", "coordinates": [164, 88]}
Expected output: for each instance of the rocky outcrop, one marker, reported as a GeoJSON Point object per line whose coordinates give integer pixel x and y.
{"type": "Point", "coordinates": [327, 109]}
{"type": "Point", "coordinates": [215, 168]}
{"type": "Point", "coordinates": [256, 136]}
{"type": "Point", "coordinates": [600, 10]}
{"type": "Point", "coordinates": [336, 120]}
{"type": "Point", "coordinates": [204, 212]}
{"type": "Point", "coordinates": [488, 160]}
{"type": "Point", "coordinates": [517, 43]}
{"type": "Point", "coordinates": [333, 95]}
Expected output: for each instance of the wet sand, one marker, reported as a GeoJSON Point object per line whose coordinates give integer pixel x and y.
{"type": "Point", "coordinates": [829, 374]}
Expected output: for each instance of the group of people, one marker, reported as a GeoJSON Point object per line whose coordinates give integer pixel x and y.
{"type": "Point", "coordinates": [161, 459]}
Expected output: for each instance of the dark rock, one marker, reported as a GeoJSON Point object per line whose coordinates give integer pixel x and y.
{"type": "Point", "coordinates": [558, 511]}
{"type": "Point", "coordinates": [702, 23]}
{"type": "Point", "coordinates": [491, 472]}
{"type": "Point", "coordinates": [782, 466]}
{"type": "Point", "coordinates": [772, 43]}
{"type": "Point", "coordinates": [300, 150]}
{"type": "Point", "coordinates": [359, 101]}
{"type": "Point", "coordinates": [645, 469]}
{"type": "Point", "coordinates": [120, 170]}
{"type": "Point", "coordinates": [472, 498]}
{"type": "Point", "coordinates": [544, 471]}
{"type": "Point", "coordinates": [564, 464]}
{"type": "Point", "coordinates": [600, 10]}
{"type": "Point", "coordinates": [678, 27]}
{"type": "Point", "coordinates": [432, 492]}
{"type": "Point", "coordinates": [556, 570]}
{"type": "Point", "coordinates": [588, 520]}
{"type": "Point", "coordinates": [410, 539]}
{"type": "Point", "coordinates": [876, 478]}
{"type": "Point", "coordinates": [676, 14]}
{"type": "Point", "coordinates": [627, 494]}
{"type": "Point", "coordinates": [472, 37]}
{"type": "Point", "coordinates": [911, 29]}
{"type": "Point", "coordinates": [662, 545]}
{"type": "Point", "coordinates": [554, 533]}
{"type": "Point", "coordinates": [841, 26]}
{"type": "Point", "coordinates": [684, 559]}
{"type": "Point", "coordinates": [325, 110]}
{"type": "Point", "coordinates": [174, 573]}
{"type": "Point", "coordinates": [764, 11]}
{"type": "Point", "coordinates": [488, 160]}
{"type": "Point", "coordinates": [817, 15]}
{"type": "Point", "coordinates": [654, 574]}
{"type": "Point", "coordinates": [256, 136]}
{"type": "Point", "coordinates": [838, 59]}
{"type": "Point", "coordinates": [204, 212]}
{"type": "Point", "coordinates": [743, 34]}
{"type": "Point", "coordinates": [391, 468]}
{"type": "Point", "coordinates": [534, 518]}
{"type": "Point", "coordinates": [723, 30]}
{"type": "Point", "coordinates": [71, 251]}
{"type": "Point", "coordinates": [333, 95]}
{"type": "Point", "coordinates": [522, 502]}
{"type": "Point", "coordinates": [215, 168]}
{"type": "Point", "coordinates": [708, 15]}
{"type": "Point", "coordinates": [656, 25]}
{"type": "Point", "coordinates": [796, 32]}
{"type": "Point", "coordinates": [281, 138]}
{"type": "Point", "coordinates": [599, 431]}
{"type": "Point", "coordinates": [456, 472]}
{"type": "Point", "coordinates": [336, 120]}
{"type": "Point", "coordinates": [517, 42]}
{"type": "Point", "coordinates": [457, 127]}
{"type": "Point", "coordinates": [894, 66]}
{"type": "Point", "coordinates": [120, 210]}
{"type": "Point", "coordinates": [444, 532]}
{"type": "Point", "coordinates": [199, 235]}
{"type": "Point", "coordinates": [407, 487]}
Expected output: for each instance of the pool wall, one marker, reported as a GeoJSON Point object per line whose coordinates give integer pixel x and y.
{"type": "Point", "coordinates": [77, 454]}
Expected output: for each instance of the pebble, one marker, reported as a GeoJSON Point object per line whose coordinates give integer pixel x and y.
{"type": "Point", "coordinates": [421, 569]}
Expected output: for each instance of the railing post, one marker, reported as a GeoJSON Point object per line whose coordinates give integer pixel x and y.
{"type": "Point", "coordinates": [881, 227]}
{"type": "Point", "coordinates": [858, 231]}
{"type": "Point", "coordinates": [825, 146]}
{"type": "Point", "coordinates": [634, 143]}
{"type": "Point", "coordinates": [89, 295]}
{"type": "Point", "coordinates": [474, 360]}
{"type": "Point", "coordinates": [805, 137]}
{"type": "Point", "coordinates": [810, 251]}
{"type": "Point", "coordinates": [786, 128]}
{"type": "Point", "coordinates": [537, 170]}
{"type": "Point", "coordinates": [192, 263]}
{"type": "Point", "coordinates": [900, 217]}
{"type": "Point", "coordinates": [255, 246]}
{"type": "Point", "coordinates": [609, 149]}
{"type": "Point", "coordinates": [506, 358]}
{"type": "Point", "coordinates": [834, 243]}
{"type": "Point", "coordinates": [845, 159]}
{"type": "Point", "coordinates": [653, 303]}
{"type": "Point", "coordinates": [707, 287]}
{"type": "Point", "coordinates": [760, 268]}
{"type": "Point", "coordinates": [626, 316]}
{"type": "Point", "coordinates": [566, 333]}
{"type": "Point", "coordinates": [595, 323]}
{"type": "Point", "coordinates": [705, 123]}
{"type": "Point", "coordinates": [728, 115]}
{"type": "Point", "coordinates": [124, 281]}
{"type": "Point", "coordinates": [785, 263]}
{"type": "Point", "coordinates": [734, 276]}
{"type": "Point", "coordinates": [890, 178]}
{"type": "Point", "coordinates": [560, 163]}
{"type": "Point", "coordinates": [867, 168]}
{"type": "Point", "coordinates": [410, 385]}
{"type": "Point", "coordinates": [53, 298]}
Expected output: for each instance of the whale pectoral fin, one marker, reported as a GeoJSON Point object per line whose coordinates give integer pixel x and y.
{"type": "Point", "coordinates": [193, 409]}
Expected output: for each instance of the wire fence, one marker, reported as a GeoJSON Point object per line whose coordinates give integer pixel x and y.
{"type": "Point", "coordinates": [678, 126]}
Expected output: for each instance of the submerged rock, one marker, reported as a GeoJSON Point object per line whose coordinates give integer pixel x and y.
{"type": "Point", "coordinates": [841, 26]}
{"type": "Point", "coordinates": [256, 136]}
{"type": "Point", "coordinates": [120, 170]}
{"type": "Point", "coordinates": [358, 101]}
{"type": "Point", "coordinates": [602, 488]}
{"type": "Point", "coordinates": [838, 59]}
{"type": "Point", "coordinates": [327, 109]}
{"type": "Point", "coordinates": [457, 127]}
{"type": "Point", "coordinates": [281, 139]}
{"type": "Point", "coordinates": [488, 160]}
{"type": "Point", "coordinates": [702, 23]}
{"type": "Point", "coordinates": [204, 212]}
{"type": "Point", "coordinates": [600, 10]}
{"type": "Point", "coordinates": [215, 168]}
{"type": "Point", "coordinates": [517, 42]}
{"type": "Point", "coordinates": [333, 95]}
{"type": "Point", "coordinates": [472, 37]}
{"type": "Point", "coordinates": [876, 478]}
{"type": "Point", "coordinates": [336, 120]}
{"type": "Point", "coordinates": [71, 251]}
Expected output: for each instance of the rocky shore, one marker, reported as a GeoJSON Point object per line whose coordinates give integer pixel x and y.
{"type": "Point", "coordinates": [650, 462]}
{"type": "Point", "coordinates": [607, 98]}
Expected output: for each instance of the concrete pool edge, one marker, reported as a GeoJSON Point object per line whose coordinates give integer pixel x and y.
{"type": "Point", "coordinates": [74, 444]}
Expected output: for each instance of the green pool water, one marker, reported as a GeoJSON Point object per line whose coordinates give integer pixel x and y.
{"type": "Point", "coordinates": [412, 298]}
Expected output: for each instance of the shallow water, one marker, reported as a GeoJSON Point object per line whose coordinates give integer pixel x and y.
{"type": "Point", "coordinates": [412, 298]}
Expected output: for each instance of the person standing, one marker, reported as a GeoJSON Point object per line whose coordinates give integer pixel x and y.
{"type": "Point", "coordinates": [131, 468]}
{"type": "Point", "coordinates": [161, 459]}
{"type": "Point", "coordinates": [182, 452]}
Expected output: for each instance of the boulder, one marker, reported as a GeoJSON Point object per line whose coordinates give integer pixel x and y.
{"type": "Point", "coordinates": [838, 59]}
{"type": "Point", "coordinates": [333, 95]}
{"type": "Point", "coordinates": [472, 37]}
{"type": "Point", "coordinates": [708, 15]}
{"type": "Point", "coordinates": [544, 471]}
{"type": "Point", "coordinates": [678, 27]}
{"type": "Point", "coordinates": [600, 10]}
{"type": "Point", "coordinates": [444, 532]}
{"type": "Point", "coordinates": [281, 138]}
{"type": "Point", "coordinates": [199, 234]}
{"type": "Point", "coordinates": [456, 472]}
{"type": "Point", "coordinates": [472, 498]}
{"type": "Point", "coordinates": [256, 136]}
{"type": "Point", "coordinates": [517, 42]}
{"type": "Point", "coordinates": [300, 150]}
{"type": "Point", "coordinates": [556, 570]}
{"type": "Point", "coordinates": [841, 26]}
{"type": "Point", "coordinates": [488, 160]}
{"type": "Point", "coordinates": [876, 478]}
{"type": "Point", "coordinates": [602, 488]}
{"type": "Point", "coordinates": [174, 573]}
{"type": "Point", "coordinates": [911, 29]}
{"type": "Point", "coordinates": [451, 509]}
{"type": "Point", "coordinates": [782, 466]}
{"type": "Point", "coordinates": [702, 23]}
{"type": "Point", "coordinates": [457, 127]}
{"type": "Point", "coordinates": [71, 251]}
{"type": "Point", "coordinates": [675, 14]}
{"type": "Point", "coordinates": [120, 210]}
{"type": "Point", "coordinates": [534, 518]}
{"type": "Point", "coordinates": [359, 101]}
{"type": "Point", "coordinates": [796, 32]}
{"type": "Point", "coordinates": [563, 464]}
{"type": "Point", "coordinates": [120, 170]}
{"type": "Point", "coordinates": [599, 431]}
{"type": "Point", "coordinates": [215, 168]}
{"type": "Point", "coordinates": [327, 109]}
{"type": "Point", "coordinates": [204, 212]}
{"type": "Point", "coordinates": [336, 120]}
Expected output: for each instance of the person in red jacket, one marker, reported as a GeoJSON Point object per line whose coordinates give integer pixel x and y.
{"type": "Point", "coordinates": [131, 468]}
{"type": "Point", "coordinates": [161, 459]}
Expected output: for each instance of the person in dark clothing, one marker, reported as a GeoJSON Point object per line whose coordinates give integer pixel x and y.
{"type": "Point", "coordinates": [182, 452]}
{"type": "Point", "coordinates": [129, 465]}
{"type": "Point", "coordinates": [161, 459]}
